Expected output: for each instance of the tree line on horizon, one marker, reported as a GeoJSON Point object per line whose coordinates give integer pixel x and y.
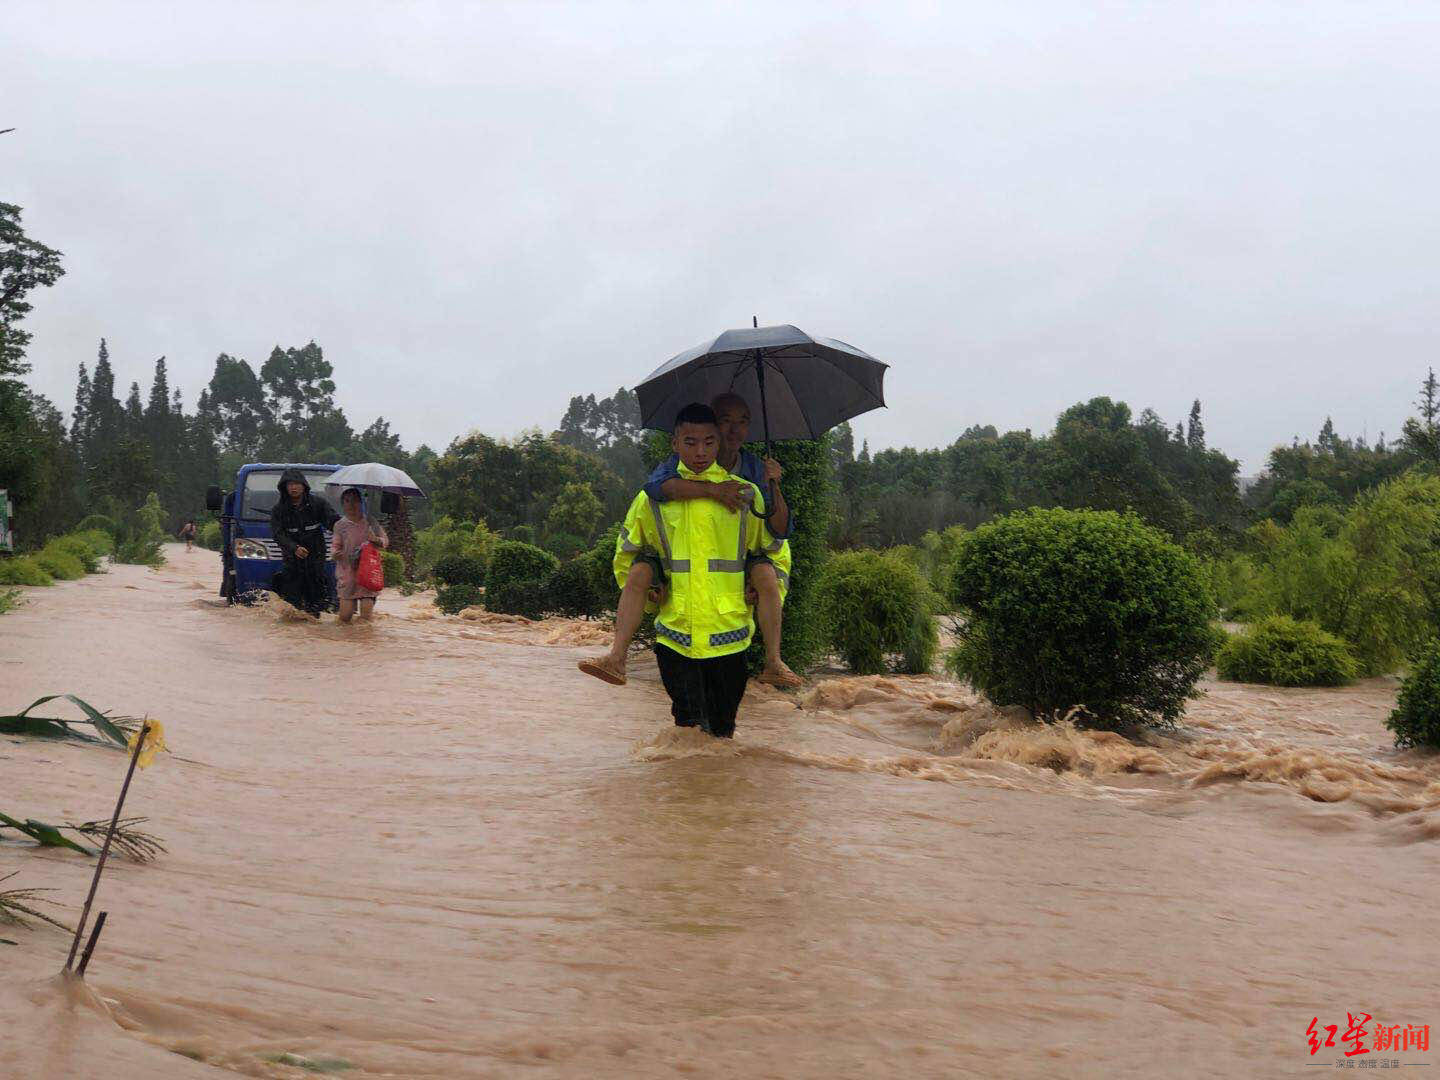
{"type": "Point", "coordinates": [560, 489]}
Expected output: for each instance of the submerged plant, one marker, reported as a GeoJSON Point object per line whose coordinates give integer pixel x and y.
{"type": "Point", "coordinates": [114, 728]}
{"type": "Point", "coordinates": [140, 846]}
{"type": "Point", "coordinates": [17, 904]}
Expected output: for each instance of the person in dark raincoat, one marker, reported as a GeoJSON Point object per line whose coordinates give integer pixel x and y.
{"type": "Point", "coordinates": [298, 523]}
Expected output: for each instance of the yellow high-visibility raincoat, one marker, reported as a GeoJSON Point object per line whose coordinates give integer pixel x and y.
{"type": "Point", "coordinates": [703, 546]}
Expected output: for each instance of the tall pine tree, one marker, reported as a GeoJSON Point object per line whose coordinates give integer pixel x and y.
{"type": "Point", "coordinates": [79, 427]}
{"type": "Point", "coordinates": [1195, 433]}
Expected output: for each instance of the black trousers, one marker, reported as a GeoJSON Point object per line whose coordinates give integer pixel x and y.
{"type": "Point", "coordinates": [303, 584]}
{"type": "Point", "coordinates": [703, 693]}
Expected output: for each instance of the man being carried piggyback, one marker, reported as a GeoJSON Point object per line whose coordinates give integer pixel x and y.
{"type": "Point", "coordinates": [689, 556]}
{"type": "Point", "coordinates": [666, 484]}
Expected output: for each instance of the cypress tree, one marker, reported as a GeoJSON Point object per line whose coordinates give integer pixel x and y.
{"type": "Point", "coordinates": [134, 411]}
{"type": "Point", "coordinates": [1195, 434]}
{"type": "Point", "coordinates": [157, 412]}
{"type": "Point", "coordinates": [79, 427]}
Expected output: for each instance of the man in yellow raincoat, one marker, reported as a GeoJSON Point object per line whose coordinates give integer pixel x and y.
{"type": "Point", "coordinates": [701, 550]}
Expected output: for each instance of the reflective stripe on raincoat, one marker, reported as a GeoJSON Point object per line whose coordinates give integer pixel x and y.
{"type": "Point", "coordinates": [703, 546]}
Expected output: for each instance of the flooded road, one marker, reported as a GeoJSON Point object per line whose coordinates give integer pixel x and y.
{"type": "Point", "coordinates": [432, 848]}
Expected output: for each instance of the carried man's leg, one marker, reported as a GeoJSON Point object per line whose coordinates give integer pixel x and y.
{"type": "Point", "coordinates": [629, 613]}
{"type": "Point", "coordinates": [768, 608]}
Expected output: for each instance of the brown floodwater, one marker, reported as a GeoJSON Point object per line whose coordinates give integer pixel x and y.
{"type": "Point", "coordinates": [430, 847]}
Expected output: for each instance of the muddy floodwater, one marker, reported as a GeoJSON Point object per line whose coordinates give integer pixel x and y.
{"type": "Point", "coordinates": [430, 847]}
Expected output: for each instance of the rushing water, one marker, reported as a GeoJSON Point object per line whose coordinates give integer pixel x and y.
{"type": "Point", "coordinates": [432, 848]}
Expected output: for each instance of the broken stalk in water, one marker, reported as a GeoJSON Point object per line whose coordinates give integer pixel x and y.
{"type": "Point", "coordinates": [105, 851]}
{"type": "Point", "coordinates": [90, 945]}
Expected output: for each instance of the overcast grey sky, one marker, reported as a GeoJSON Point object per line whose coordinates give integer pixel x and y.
{"type": "Point", "coordinates": [480, 209]}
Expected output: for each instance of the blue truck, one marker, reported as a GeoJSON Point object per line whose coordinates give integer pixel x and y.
{"type": "Point", "coordinates": [250, 557]}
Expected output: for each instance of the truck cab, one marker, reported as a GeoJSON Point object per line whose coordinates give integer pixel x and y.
{"type": "Point", "coordinates": [250, 557]}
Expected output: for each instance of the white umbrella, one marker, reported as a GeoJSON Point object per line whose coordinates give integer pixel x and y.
{"type": "Point", "coordinates": [372, 476]}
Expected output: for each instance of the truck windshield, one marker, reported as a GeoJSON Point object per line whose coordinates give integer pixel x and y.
{"type": "Point", "coordinates": [261, 492]}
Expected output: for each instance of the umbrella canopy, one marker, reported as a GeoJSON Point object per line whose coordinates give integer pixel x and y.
{"type": "Point", "coordinates": [797, 386]}
{"type": "Point", "coordinates": [372, 476]}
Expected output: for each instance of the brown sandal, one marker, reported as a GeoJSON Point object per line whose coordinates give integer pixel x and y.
{"type": "Point", "coordinates": [602, 670]}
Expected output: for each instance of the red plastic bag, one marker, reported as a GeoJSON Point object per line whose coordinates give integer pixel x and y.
{"type": "Point", "coordinates": [369, 571]}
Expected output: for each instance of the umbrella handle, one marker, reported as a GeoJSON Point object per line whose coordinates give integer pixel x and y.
{"type": "Point", "coordinates": [765, 420]}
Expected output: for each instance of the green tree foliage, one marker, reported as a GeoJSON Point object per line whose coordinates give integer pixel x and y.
{"type": "Point", "coordinates": [25, 265]}
{"type": "Point", "coordinates": [142, 533]}
{"type": "Point", "coordinates": [1421, 434]}
{"type": "Point", "coordinates": [880, 613]}
{"type": "Point", "coordinates": [1082, 608]}
{"type": "Point", "coordinates": [610, 430]}
{"type": "Point", "coordinates": [517, 578]}
{"type": "Point", "coordinates": [514, 483]}
{"type": "Point", "coordinates": [1370, 576]}
{"type": "Point", "coordinates": [1416, 719]}
{"type": "Point", "coordinates": [394, 569]}
{"type": "Point", "coordinates": [447, 537]}
{"type": "Point", "coordinates": [37, 465]}
{"type": "Point", "coordinates": [1097, 457]}
{"type": "Point", "coordinates": [576, 511]}
{"type": "Point", "coordinates": [1279, 651]}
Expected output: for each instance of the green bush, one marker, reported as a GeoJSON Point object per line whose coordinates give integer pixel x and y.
{"type": "Point", "coordinates": [59, 563]}
{"type": "Point", "coordinates": [23, 570]}
{"type": "Point", "coordinates": [10, 599]}
{"type": "Point", "coordinates": [808, 492]}
{"type": "Point", "coordinates": [878, 606]}
{"type": "Point", "coordinates": [1082, 608]}
{"type": "Point", "coordinates": [452, 599]}
{"type": "Point", "coordinates": [600, 560]}
{"type": "Point", "coordinates": [98, 540]}
{"type": "Point", "coordinates": [448, 537]}
{"type": "Point", "coordinates": [1281, 651]}
{"type": "Point", "coordinates": [565, 545]}
{"type": "Point", "coordinates": [515, 583]}
{"type": "Point", "coordinates": [570, 590]}
{"type": "Point", "coordinates": [80, 548]}
{"type": "Point", "coordinates": [101, 522]}
{"type": "Point", "coordinates": [394, 564]}
{"type": "Point", "coordinates": [142, 534]}
{"type": "Point", "coordinates": [460, 569]}
{"type": "Point", "coordinates": [1370, 576]}
{"type": "Point", "coordinates": [1416, 719]}
{"type": "Point", "coordinates": [208, 536]}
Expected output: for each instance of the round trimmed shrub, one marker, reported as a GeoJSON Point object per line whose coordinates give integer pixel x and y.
{"type": "Point", "coordinates": [23, 570]}
{"type": "Point", "coordinates": [880, 612]}
{"type": "Point", "coordinates": [460, 569]}
{"type": "Point", "coordinates": [98, 540]}
{"type": "Point", "coordinates": [453, 599]}
{"type": "Point", "coordinates": [1082, 608]}
{"type": "Point", "coordinates": [1416, 719]}
{"type": "Point", "coordinates": [77, 546]}
{"type": "Point", "coordinates": [1281, 651]}
{"type": "Point", "coordinates": [59, 564]}
{"type": "Point", "coordinates": [101, 522]}
{"type": "Point", "coordinates": [570, 590]}
{"type": "Point", "coordinates": [517, 577]}
{"type": "Point", "coordinates": [394, 564]}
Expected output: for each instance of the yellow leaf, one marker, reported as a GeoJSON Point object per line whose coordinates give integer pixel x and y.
{"type": "Point", "coordinates": [154, 743]}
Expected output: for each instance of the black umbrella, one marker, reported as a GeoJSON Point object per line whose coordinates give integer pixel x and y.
{"type": "Point", "coordinates": [800, 386]}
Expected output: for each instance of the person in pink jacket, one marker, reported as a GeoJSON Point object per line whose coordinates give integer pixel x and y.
{"type": "Point", "coordinates": [351, 532]}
